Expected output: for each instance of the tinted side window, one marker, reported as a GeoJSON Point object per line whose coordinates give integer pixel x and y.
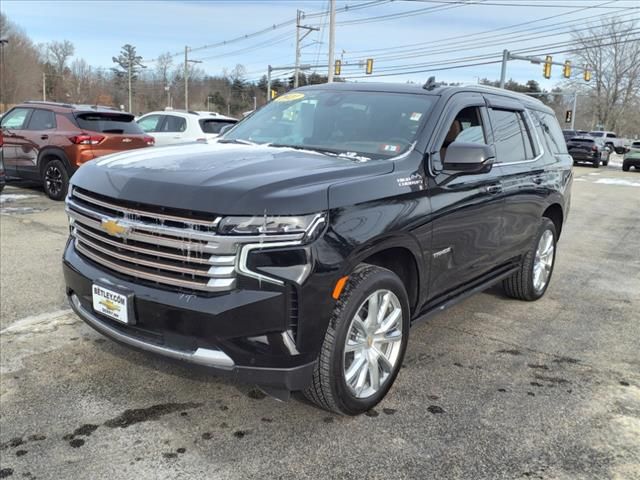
{"type": "Point", "coordinates": [42, 120]}
{"type": "Point", "coordinates": [174, 124]}
{"type": "Point", "coordinates": [466, 127]}
{"type": "Point", "coordinates": [214, 126]}
{"type": "Point", "coordinates": [509, 136]}
{"type": "Point", "coordinates": [549, 131]}
{"type": "Point", "coordinates": [15, 119]}
{"type": "Point", "coordinates": [611, 135]}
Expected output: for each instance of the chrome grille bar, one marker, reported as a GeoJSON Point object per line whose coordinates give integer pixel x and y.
{"type": "Point", "coordinates": [133, 212]}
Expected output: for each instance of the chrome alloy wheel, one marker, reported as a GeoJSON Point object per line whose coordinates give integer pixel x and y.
{"type": "Point", "coordinates": [373, 343]}
{"type": "Point", "coordinates": [543, 262]}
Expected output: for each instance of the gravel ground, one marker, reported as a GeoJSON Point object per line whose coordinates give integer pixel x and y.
{"type": "Point", "coordinates": [491, 389]}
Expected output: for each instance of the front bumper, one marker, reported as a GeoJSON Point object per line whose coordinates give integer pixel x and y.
{"type": "Point", "coordinates": [246, 333]}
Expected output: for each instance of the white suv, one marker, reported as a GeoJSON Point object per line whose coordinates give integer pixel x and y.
{"type": "Point", "coordinates": [172, 126]}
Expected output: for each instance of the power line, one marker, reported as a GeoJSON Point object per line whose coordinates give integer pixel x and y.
{"type": "Point", "coordinates": [501, 4]}
{"type": "Point", "coordinates": [486, 34]}
{"type": "Point", "coordinates": [350, 8]}
{"type": "Point", "coordinates": [486, 58]}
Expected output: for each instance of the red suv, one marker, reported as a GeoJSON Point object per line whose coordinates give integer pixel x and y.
{"type": "Point", "coordinates": [48, 142]}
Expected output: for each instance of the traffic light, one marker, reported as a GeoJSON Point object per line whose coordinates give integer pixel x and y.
{"type": "Point", "coordinates": [274, 93]}
{"type": "Point", "coordinates": [587, 75]}
{"type": "Point", "coordinates": [369, 68]}
{"type": "Point", "coordinates": [338, 68]}
{"type": "Point", "coordinates": [566, 71]}
{"type": "Point", "coordinates": [568, 116]}
{"type": "Point", "coordinates": [547, 67]}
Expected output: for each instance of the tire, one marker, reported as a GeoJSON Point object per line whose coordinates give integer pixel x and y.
{"type": "Point", "coordinates": [625, 167]}
{"type": "Point", "coordinates": [596, 163]}
{"type": "Point", "coordinates": [619, 150]}
{"type": "Point", "coordinates": [605, 162]}
{"type": "Point", "coordinates": [55, 179]}
{"type": "Point", "coordinates": [329, 388]}
{"type": "Point", "coordinates": [522, 285]}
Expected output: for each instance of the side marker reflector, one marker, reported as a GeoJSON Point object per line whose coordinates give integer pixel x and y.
{"type": "Point", "coordinates": [339, 287]}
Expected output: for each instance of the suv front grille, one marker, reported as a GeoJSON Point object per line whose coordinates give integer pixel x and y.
{"type": "Point", "coordinates": [152, 244]}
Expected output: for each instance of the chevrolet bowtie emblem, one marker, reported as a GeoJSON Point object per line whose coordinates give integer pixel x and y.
{"type": "Point", "coordinates": [126, 140]}
{"type": "Point", "coordinates": [110, 305]}
{"type": "Point", "coordinates": [113, 228]}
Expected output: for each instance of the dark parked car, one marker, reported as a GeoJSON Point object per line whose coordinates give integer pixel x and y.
{"type": "Point", "coordinates": [588, 150]}
{"type": "Point", "coordinates": [632, 157]}
{"type": "Point", "coordinates": [48, 142]}
{"type": "Point", "coordinates": [297, 252]}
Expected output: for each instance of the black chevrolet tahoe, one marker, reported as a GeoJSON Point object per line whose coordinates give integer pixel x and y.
{"type": "Point", "coordinates": [297, 252]}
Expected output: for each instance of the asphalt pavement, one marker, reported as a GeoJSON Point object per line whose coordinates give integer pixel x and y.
{"type": "Point", "coordinates": [491, 389]}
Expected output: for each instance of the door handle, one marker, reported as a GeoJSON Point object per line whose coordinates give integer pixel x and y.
{"type": "Point", "coordinates": [178, 137]}
{"type": "Point", "coordinates": [494, 189]}
{"type": "Point", "coordinates": [44, 137]}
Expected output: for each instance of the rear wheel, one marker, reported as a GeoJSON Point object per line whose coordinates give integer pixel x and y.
{"type": "Point", "coordinates": [596, 163]}
{"type": "Point", "coordinates": [625, 167]}
{"type": "Point", "coordinates": [364, 344]}
{"type": "Point", "coordinates": [55, 180]}
{"type": "Point", "coordinates": [530, 282]}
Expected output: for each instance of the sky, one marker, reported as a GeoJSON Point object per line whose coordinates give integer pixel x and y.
{"type": "Point", "coordinates": [410, 39]}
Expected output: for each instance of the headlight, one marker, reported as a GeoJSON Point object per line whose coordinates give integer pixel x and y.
{"type": "Point", "coordinates": [272, 225]}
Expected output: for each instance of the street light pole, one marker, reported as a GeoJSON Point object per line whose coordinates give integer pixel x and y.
{"type": "Point", "coordinates": [44, 87]}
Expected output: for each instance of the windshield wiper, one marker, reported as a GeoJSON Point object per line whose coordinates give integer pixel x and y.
{"type": "Point", "coordinates": [325, 151]}
{"type": "Point", "coordinates": [237, 141]}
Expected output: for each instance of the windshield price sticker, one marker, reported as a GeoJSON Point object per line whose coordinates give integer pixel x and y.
{"type": "Point", "coordinates": [390, 148]}
{"type": "Point", "coordinates": [289, 97]}
{"type": "Point", "coordinates": [415, 116]}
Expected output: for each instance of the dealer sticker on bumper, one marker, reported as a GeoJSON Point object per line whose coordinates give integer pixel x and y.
{"type": "Point", "coordinates": [110, 304]}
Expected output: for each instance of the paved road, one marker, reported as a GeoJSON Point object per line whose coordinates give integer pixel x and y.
{"type": "Point", "coordinates": [491, 389]}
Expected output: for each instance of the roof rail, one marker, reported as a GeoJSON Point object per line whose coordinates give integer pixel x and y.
{"type": "Point", "coordinates": [43, 102]}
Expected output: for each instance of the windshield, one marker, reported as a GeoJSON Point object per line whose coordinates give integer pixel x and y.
{"type": "Point", "coordinates": [108, 123]}
{"type": "Point", "coordinates": [368, 124]}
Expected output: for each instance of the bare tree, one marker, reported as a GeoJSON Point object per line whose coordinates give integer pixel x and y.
{"type": "Point", "coordinates": [612, 52]}
{"type": "Point", "coordinates": [59, 53]}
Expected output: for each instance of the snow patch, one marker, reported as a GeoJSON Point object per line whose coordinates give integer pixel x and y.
{"type": "Point", "coordinates": [617, 181]}
{"type": "Point", "coordinates": [12, 197]}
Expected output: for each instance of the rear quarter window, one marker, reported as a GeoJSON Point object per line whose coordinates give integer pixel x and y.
{"type": "Point", "coordinates": [118, 123]}
{"type": "Point", "coordinates": [549, 132]}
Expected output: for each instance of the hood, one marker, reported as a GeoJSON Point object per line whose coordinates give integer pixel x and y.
{"type": "Point", "coordinates": [227, 179]}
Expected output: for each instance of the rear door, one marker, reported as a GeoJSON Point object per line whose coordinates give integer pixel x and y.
{"type": "Point", "coordinates": [111, 132]}
{"type": "Point", "coordinates": [13, 124]}
{"type": "Point", "coordinates": [152, 124]}
{"type": "Point", "coordinates": [172, 130]}
{"type": "Point", "coordinates": [467, 209]}
{"type": "Point", "coordinates": [41, 124]}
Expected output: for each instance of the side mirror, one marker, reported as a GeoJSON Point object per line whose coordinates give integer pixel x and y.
{"type": "Point", "coordinates": [469, 157]}
{"type": "Point", "coordinates": [226, 128]}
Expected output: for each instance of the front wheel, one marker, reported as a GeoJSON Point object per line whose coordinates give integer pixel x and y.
{"type": "Point", "coordinates": [530, 282]}
{"type": "Point", "coordinates": [55, 180]}
{"type": "Point", "coordinates": [596, 163]}
{"type": "Point", "coordinates": [625, 167]}
{"type": "Point", "coordinates": [364, 344]}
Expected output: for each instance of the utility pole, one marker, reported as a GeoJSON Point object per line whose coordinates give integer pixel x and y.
{"type": "Point", "coordinates": [573, 110]}
{"type": "Point", "coordinates": [44, 87]}
{"type": "Point", "coordinates": [129, 68]}
{"type": "Point", "coordinates": [332, 38]}
{"type": "Point", "coordinates": [186, 76]}
{"type": "Point", "coordinates": [503, 72]}
{"type": "Point", "coordinates": [269, 68]}
{"type": "Point", "coordinates": [3, 42]}
{"type": "Point", "coordinates": [299, 39]}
